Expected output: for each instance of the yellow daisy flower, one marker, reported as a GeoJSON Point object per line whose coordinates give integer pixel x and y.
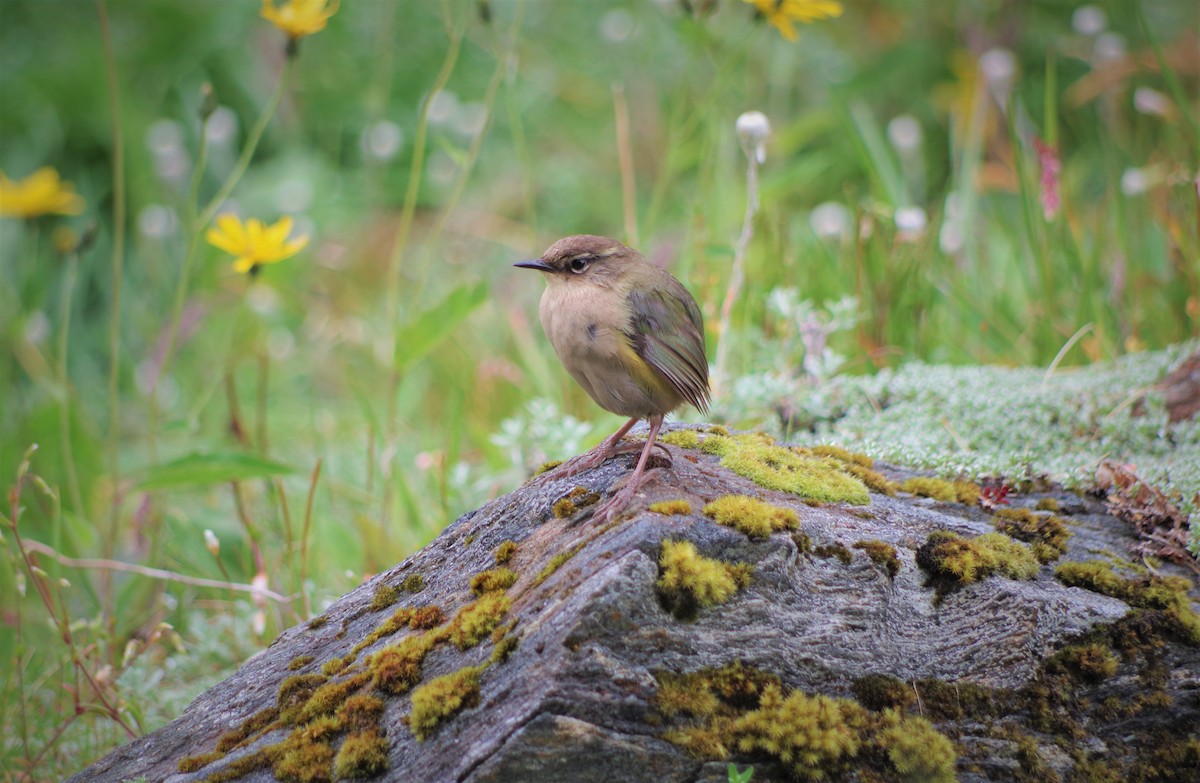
{"type": "Point", "coordinates": [298, 18]}
{"type": "Point", "coordinates": [781, 13]}
{"type": "Point", "coordinates": [41, 193]}
{"type": "Point", "coordinates": [254, 244]}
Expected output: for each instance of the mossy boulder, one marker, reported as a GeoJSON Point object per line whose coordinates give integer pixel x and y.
{"type": "Point", "coordinates": [858, 637]}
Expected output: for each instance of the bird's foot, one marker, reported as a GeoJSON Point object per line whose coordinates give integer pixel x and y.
{"type": "Point", "coordinates": [590, 460]}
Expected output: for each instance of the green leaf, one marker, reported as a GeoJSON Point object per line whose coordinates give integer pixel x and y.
{"type": "Point", "coordinates": [416, 339]}
{"type": "Point", "coordinates": [210, 469]}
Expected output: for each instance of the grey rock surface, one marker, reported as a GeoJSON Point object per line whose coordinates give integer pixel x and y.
{"type": "Point", "coordinates": [575, 700]}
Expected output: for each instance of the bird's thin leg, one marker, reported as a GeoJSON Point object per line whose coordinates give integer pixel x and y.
{"type": "Point", "coordinates": [612, 507]}
{"type": "Point", "coordinates": [593, 458]}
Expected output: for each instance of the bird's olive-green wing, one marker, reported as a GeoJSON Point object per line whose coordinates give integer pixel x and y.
{"type": "Point", "coordinates": [667, 330]}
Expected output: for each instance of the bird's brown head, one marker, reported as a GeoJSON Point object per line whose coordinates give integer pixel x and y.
{"type": "Point", "coordinates": [583, 257]}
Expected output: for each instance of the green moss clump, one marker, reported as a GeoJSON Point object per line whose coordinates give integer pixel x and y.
{"type": "Point", "coordinates": [1046, 535]}
{"type": "Point", "coordinates": [546, 467]}
{"type": "Point", "coordinates": [385, 596]}
{"type": "Point", "coordinates": [817, 735]}
{"type": "Point", "coordinates": [843, 455]}
{"type": "Point", "coordinates": [442, 698]}
{"type": "Point", "coordinates": [493, 579]}
{"type": "Point", "coordinates": [397, 668]}
{"type": "Point", "coordinates": [803, 543]}
{"type": "Point", "coordinates": [477, 619]}
{"type": "Point", "coordinates": [872, 478]}
{"type": "Point", "coordinates": [360, 712]}
{"type": "Point", "coordinates": [952, 561]}
{"type": "Point", "coordinates": [317, 622]}
{"type": "Point", "coordinates": [556, 563]}
{"type": "Point", "coordinates": [1165, 594]}
{"type": "Point", "coordinates": [362, 755]}
{"type": "Point", "coordinates": [249, 728]}
{"type": "Point", "coordinates": [304, 762]}
{"type": "Point", "coordinates": [505, 552]}
{"type": "Point", "coordinates": [294, 693]}
{"type": "Point", "coordinates": [1089, 663]}
{"type": "Point", "coordinates": [684, 439]}
{"type": "Point", "coordinates": [834, 550]}
{"type": "Point", "coordinates": [326, 699]}
{"type": "Point", "coordinates": [882, 554]}
{"type": "Point", "coordinates": [1048, 504]}
{"type": "Point", "coordinates": [198, 761]}
{"type": "Point", "coordinates": [671, 507]}
{"type": "Point", "coordinates": [335, 666]}
{"type": "Point", "coordinates": [678, 694]}
{"type": "Point", "coordinates": [299, 662]}
{"type": "Point", "coordinates": [965, 492]}
{"type": "Point", "coordinates": [880, 692]}
{"type": "Point", "coordinates": [413, 583]}
{"type": "Point", "coordinates": [918, 752]}
{"type": "Point", "coordinates": [753, 517]}
{"type": "Point", "coordinates": [757, 458]}
{"type": "Point", "coordinates": [579, 497]}
{"type": "Point", "coordinates": [398, 621]}
{"type": "Point", "coordinates": [689, 581]}
{"type": "Point", "coordinates": [425, 618]}
{"type": "Point", "coordinates": [505, 647]}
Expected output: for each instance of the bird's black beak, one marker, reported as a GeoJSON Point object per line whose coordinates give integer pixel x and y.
{"type": "Point", "coordinates": [536, 263]}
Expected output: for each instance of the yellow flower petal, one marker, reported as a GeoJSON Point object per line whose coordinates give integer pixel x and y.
{"type": "Point", "coordinates": [41, 193]}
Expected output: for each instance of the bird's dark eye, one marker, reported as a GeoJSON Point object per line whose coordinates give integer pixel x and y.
{"type": "Point", "coordinates": [578, 265]}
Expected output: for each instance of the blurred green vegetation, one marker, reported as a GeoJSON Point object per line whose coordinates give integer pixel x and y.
{"type": "Point", "coordinates": [399, 355]}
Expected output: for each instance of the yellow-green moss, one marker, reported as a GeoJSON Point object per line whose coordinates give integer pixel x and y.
{"type": "Point", "coordinates": [362, 755]}
{"type": "Point", "coordinates": [546, 467]}
{"type": "Point", "coordinates": [198, 761]}
{"type": "Point", "coordinates": [872, 478]}
{"type": "Point", "coordinates": [803, 543]}
{"type": "Point", "coordinates": [335, 665]}
{"type": "Point", "coordinates": [965, 492]}
{"type": "Point", "coordinates": [505, 552]}
{"type": "Point", "coordinates": [477, 619]}
{"type": "Point", "coordinates": [397, 668]}
{"type": "Point", "coordinates": [1046, 535]}
{"type": "Point", "coordinates": [360, 712]}
{"type": "Point", "coordinates": [918, 752]}
{"type": "Point", "coordinates": [317, 622]}
{"type": "Point", "coordinates": [385, 596]}
{"type": "Point", "coordinates": [1089, 663]}
{"type": "Point", "coordinates": [817, 735]}
{"type": "Point", "coordinates": [579, 497]}
{"type": "Point", "coordinates": [299, 662]}
{"type": "Point", "coordinates": [951, 560]}
{"type": "Point", "coordinates": [684, 439]}
{"type": "Point", "coordinates": [689, 581]}
{"type": "Point", "coordinates": [413, 583]}
{"type": "Point", "coordinates": [671, 507]}
{"type": "Point", "coordinates": [1166, 594]}
{"type": "Point", "coordinates": [882, 554]}
{"type": "Point", "coordinates": [879, 692]}
{"type": "Point", "coordinates": [753, 517]}
{"type": "Point", "coordinates": [425, 617]}
{"type": "Point", "coordinates": [504, 648]}
{"type": "Point", "coordinates": [493, 579]}
{"type": "Point", "coordinates": [556, 563]}
{"type": "Point", "coordinates": [442, 698]}
{"type": "Point", "coordinates": [1048, 504]}
{"type": "Point", "coordinates": [294, 693]}
{"type": "Point", "coordinates": [843, 455]}
{"type": "Point", "coordinates": [397, 622]}
{"type": "Point", "coordinates": [757, 458]}
{"type": "Point", "coordinates": [326, 699]}
{"type": "Point", "coordinates": [305, 762]}
{"type": "Point", "coordinates": [836, 549]}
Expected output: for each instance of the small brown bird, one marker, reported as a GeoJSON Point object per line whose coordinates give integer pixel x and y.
{"type": "Point", "coordinates": [629, 333]}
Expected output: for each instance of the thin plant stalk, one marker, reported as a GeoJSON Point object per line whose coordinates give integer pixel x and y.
{"type": "Point", "coordinates": [308, 512]}
{"type": "Point", "coordinates": [64, 408]}
{"type": "Point", "coordinates": [118, 253]}
{"type": "Point", "coordinates": [243, 162]}
{"type": "Point", "coordinates": [625, 159]}
{"type": "Point", "coordinates": [185, 273]}
{"type": "Point", "coordinates": [738, 273]}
